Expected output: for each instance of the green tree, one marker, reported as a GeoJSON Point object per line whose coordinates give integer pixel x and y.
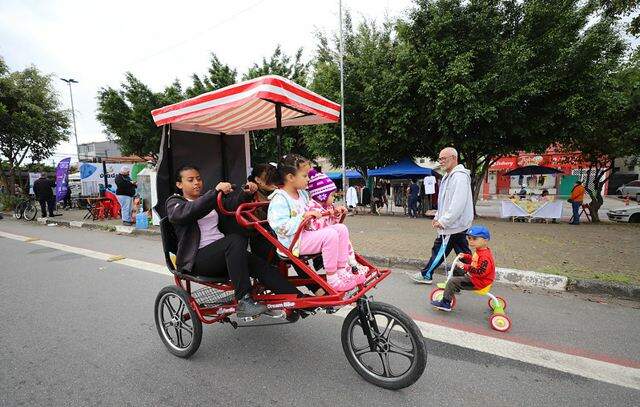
{"type": "Point", "coordinates": [375, 99]}
{"type": "Point", "coordinates": [218, 76]}
{"type": "Point", "coordinates": [493, 77]}
{"type": "Point", "coordinates": [263, 142]}
{"type": "Point", "coordinates": [625, 8]}
{"type": "Point", "coordinates": [126, 114]}
{"type": "Point", "coordinates": [32, 122]}
{"type": "Point", "coordinates": [606, 125]}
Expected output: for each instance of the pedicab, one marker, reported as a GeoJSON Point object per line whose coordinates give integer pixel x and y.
{"type": "Point", "coordinates": [380, 341]}
{"type": "Point", "coordinates": [498, 320]}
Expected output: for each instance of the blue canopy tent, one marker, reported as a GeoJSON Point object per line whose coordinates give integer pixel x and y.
{"type": "Point", "coordinates": [351, 174]}
{"type": "Point", "coordinates": [405, 168]}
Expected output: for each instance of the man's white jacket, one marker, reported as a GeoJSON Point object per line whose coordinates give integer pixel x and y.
{"type": "Point", "coordinates": [455, 201]}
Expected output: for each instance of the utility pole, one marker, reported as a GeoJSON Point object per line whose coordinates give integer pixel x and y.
{"type": "Point", "coordinates": [73, 114]}
{"type": "Point", "coordinates": [344, 161]}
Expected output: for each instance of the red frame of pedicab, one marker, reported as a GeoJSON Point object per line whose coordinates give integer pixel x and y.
{"type": "Point", "coordinates": [245, 215]}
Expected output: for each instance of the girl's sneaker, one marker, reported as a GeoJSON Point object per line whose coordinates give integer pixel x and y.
{"type": "Point", "coordinates": [360, 271]}
{"type": "Point", "coordinates": [339, 281]}
{"type": "Point", "coordinates": [360, 277]}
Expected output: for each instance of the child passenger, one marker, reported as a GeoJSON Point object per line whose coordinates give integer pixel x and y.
{"type": "Point", "coordinates": [322, 191]}
{"type": "Point", "coordinates": [288, 209]}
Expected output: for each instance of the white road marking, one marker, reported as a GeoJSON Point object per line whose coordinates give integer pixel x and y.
{"type": "Point", "coordinates": [550, 359]}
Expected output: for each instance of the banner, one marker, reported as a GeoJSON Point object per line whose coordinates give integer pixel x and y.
{"type": "Point", "coordinates": [62, 178]}
{"type": "Point", "coordinates": [92, 176]}
{"type": "Point", "coordinates": [33, 176]}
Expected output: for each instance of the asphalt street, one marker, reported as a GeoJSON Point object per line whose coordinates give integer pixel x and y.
{"type": "Point", "coordinates": [80, 331]}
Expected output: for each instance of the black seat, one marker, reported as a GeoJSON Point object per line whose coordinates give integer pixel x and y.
{"type": "Point", "coordinates": [170, 247]}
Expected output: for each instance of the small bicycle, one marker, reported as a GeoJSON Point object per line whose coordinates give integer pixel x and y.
{"type": "Point", "coordinates": [498, 320]}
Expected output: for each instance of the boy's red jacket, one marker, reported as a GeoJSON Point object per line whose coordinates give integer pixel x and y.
{"type": "Point", "coordinates": [480, 267]}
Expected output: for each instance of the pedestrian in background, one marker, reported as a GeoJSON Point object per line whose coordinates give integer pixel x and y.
{"type": "Point", "coordinates": [43, 190]}
{"type": "Point", "coordinates": [414, 193]}
{"type": "Point", "coordinates": [576, 199]}
{"type": "Point", "coordinates": [126, 190]}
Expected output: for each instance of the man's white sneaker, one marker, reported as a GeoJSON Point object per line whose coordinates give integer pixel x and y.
{"type": "Point", "coordinates": [420, 279]}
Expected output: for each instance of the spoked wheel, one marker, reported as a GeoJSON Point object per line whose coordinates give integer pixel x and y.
{"type": "Point", "coordinates": [502, 301]}
{"type": "Point", "coordinates": [18, 210]}
{"type": "Point", "coordinates": [500, 322]}
{"type": "Point", "coordinates": [436, 295]}
{"type": "Point", "coordinates": [396, 356]}
{"type": "Point", "coordinates": [177, 323]}
{"type": "Point", "coordinates": [30, 211]}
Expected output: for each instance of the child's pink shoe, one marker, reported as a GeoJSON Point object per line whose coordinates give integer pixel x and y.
{"type": "Point", "coordinates": [361, 270]}
{"type": "Point", "coordinates": [339, 281]}
{"type": "Point", "coordinates": [360, 277]}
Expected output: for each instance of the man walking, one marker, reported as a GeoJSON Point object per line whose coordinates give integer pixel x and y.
{"type": "Point", "coordinates": [454, 215]}
{"type": "Point", "coordinates": [126, 190]}
{"type": "Point", "coordinates": [414, 193]}
{"type": "Point", "coordinates": [43, 190]}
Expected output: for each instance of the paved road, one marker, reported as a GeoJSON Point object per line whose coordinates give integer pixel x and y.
{"type": "Point", "coordinates": [79, 331]}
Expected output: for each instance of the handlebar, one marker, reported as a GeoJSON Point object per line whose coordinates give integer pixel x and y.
{"type": "Point", "coordinates": [453, 266]}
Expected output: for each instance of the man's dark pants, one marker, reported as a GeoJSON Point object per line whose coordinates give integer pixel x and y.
{"type": "Point", "coordinates": [457, 242]}
{"type": "Point", "coordinates": [413, 206]}
{"type": "Point", "coordinates": [576, 211]}
{"type": "Point", "coordinates": [47, 203]}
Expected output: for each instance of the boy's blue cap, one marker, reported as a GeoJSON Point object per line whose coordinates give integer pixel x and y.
{"type": "Point", "coordinates": [479, 231]}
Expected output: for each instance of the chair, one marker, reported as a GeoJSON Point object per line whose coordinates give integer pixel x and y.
{"type": "Point", "coordinates": [170, 247]}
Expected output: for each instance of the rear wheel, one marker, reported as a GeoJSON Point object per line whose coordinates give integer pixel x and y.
{"type": "Point", "coordinates": [397, 356]}
{"type": "Point", "coordinates": [502, 301]}
{"type": "Point", "coordinates": [635, 218]}
{"type": "Point", "coordinates": [18, 211]}
{"type": "Point", "coordinates": [178, 324]}
{"type": "Point", "coordinates": [500, 322]}
{"type": "Point", "coordinates": [30, 211]}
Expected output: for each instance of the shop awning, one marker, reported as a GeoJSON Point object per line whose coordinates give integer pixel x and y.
{"type": "Point", "coordinates": [406, 168]}
{"type": "Point", "coordinates": [351, 174]}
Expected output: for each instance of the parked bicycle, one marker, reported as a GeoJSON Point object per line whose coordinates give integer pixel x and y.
{"type": "Point", "coordinates": [26, 209]}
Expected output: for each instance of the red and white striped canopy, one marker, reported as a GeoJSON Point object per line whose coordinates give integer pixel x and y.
{"type": "Point", "coordinates": [247, 106]}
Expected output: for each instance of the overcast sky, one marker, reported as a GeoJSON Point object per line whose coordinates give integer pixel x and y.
{"type": "Point", "coordinates": [96, 42]}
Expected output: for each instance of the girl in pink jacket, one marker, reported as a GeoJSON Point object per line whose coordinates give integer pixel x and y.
{"type": "Point", "coordinates": [322, 191]}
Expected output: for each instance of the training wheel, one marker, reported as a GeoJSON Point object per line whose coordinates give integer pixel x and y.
{"type": "Point", "coordinates": [503, 303]}
{"type": "Point", "coordinates": [500, 322]}
{"type": "Point", "coordinates": [436, 295]}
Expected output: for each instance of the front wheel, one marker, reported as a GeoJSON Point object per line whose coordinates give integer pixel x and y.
{"type": "Point", "coordinates": [396, 356]}
{"type": "Point", "coordinates": [438, 293]}
{"type": "Point", "coordinates": [30, 211]}
{"type": "Point", "coordinates": [178, 324]}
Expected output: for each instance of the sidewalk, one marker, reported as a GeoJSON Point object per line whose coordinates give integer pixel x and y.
{"type": "Point", "coordinates": [75, 218]}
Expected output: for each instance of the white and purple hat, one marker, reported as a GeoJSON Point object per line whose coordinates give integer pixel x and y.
{"type": "Point", "coordinates": [320, 186]}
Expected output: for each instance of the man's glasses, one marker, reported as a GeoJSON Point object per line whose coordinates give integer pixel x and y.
{"type": "Point", "coordinates": [442, 159]}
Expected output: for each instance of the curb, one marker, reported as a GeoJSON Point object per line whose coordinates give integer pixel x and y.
{"type": "Point", "coordinates": [119, 229]}
{"type": "Point", "coordinates": [522, 278]}
{"type": "Point", "coordinates": [618, 290]}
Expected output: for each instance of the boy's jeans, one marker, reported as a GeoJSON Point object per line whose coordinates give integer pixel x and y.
{"type": "Point", "coordinates": [459, 281]}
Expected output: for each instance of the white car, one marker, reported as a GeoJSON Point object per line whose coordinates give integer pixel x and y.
{"type": "Point", "coordinates": [629, 214]}
{"type": "Point", "coordinates": [631, 189]}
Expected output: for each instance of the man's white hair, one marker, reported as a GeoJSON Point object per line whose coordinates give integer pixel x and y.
{"type": "Point", "coordinates": [450, 150]}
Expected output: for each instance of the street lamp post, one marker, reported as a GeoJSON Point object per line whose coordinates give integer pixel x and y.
{"type": "Point", "coordinates": [342, 141]}
{"type": "Point", "coordinates": [73, 114]}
